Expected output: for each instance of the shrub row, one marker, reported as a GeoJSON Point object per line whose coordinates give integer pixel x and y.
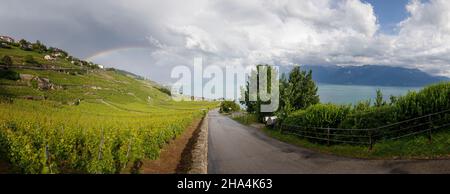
{"type": "Point", "coordinates": [432, 99]}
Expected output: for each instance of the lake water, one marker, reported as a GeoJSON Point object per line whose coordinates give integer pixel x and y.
{"type": "Point", "coordinates": [345, 94]}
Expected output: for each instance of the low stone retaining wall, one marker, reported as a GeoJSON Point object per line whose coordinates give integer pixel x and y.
{"type": "Point", "coordinates": [199, 163]}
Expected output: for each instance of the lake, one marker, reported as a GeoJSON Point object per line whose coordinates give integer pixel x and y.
{"type": "Point", "coordinates": [345, 94]}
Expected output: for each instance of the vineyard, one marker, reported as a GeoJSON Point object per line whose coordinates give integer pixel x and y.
{"type": "Point", "coordinates": [91, 121]}
{"type": "Point", "coordinates": [74, 140]}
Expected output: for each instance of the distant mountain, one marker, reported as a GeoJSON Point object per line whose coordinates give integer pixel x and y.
{"type": "Point", "coordinates": [375, 75]}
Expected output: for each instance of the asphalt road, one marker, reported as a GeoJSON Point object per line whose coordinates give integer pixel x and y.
{"type": "Point", "coordinates": [235, 148]}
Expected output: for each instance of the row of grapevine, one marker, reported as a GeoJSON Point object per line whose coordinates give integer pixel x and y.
{"type": "Point", "coordinates": [70, 142]}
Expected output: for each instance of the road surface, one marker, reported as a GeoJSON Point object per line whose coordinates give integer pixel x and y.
{"type": "Point", "coordinates": [235, 148]}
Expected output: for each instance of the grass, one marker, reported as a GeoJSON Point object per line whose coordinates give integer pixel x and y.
{"type": "Point", "coordinates": [246, 119]}
{"type": "Point", "coordinates": [416, 147]}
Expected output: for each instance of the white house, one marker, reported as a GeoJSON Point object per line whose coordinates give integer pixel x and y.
{"type": "Point", "coordinates": [7, 39]}
{"type": "Point", "coordinates": [101, 66]}
{"type": "Point", "coordinates": [58, 54]}
{"type": "Point", "coordinates": [49, 58]}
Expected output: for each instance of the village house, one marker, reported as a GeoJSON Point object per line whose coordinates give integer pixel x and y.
{"type": "Point", "coordinates": [57, 54]}
{"type": "Point", "coordinates": [49, 58]}
{"type": "Point", "coordinates": [4, 45]}
{"type": "Point", "coordinates": [7, 39]}
{"type": "Point", "coordinates": [57, 50]}
{"type": "Point", "coordinates": [27, 47]}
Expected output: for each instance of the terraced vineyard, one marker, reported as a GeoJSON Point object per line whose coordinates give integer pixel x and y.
{"type": "Point", "coordinates": [84, 119]}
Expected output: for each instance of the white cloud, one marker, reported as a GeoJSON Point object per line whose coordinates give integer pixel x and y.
{"type": "Point", "coordinates": [424, 37]}
{"type": "Point", "coordinates": [268, 31]}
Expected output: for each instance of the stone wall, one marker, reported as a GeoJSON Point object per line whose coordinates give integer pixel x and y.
{"type": "Point", "coordinates": [199, 163]}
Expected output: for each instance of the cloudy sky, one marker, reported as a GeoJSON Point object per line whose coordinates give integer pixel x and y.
{"type": "Point", "coordinates": [149, 37]}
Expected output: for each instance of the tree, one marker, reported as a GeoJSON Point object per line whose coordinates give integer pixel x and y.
{"type": "Point", "coordinates": [39, 47]}
{"type": "Point", "coordinates": [379, 101]}
{"type": "Point", "coordinates": [23, 42]}
{"type": "Point", "coordinates": [297, 91]}
{"type": "Point", "coordinates": [24, 45]}
{"type": "Point", "coordinates": [393, 99]}
{"type": "Point", "coordinates": [253, 106]}
{"type": "Point", "coordinates": [6, 60]}
{"type": "Point", "coordinates": [229, 106]}
{"type": "Point", "coordinates": [285, 104]}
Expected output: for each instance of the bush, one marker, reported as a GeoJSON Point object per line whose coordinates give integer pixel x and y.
{"type": "Point", "coordinates": [229, 106]}
{"type": "Point", "coordinates": [6, 60]}
{"type": "Point", "coordinates": [8, 100]}
{"type": "Point", "coordinates": [10, 75]}
{"type": "Point", "coordinates": [39, 47]}
{"type": "Point", "coordinates": [30, 60]}
{"type": "Point", "coordinates": [4, 45]}
{"type": "Point", "coordinates": [319, 115]}
{"type": "Point", "coordinates": [164, 90]}
{"type": "Point", "coordinates": [432, 99]}
{"type": "Point", "coordinates": [370, 118]}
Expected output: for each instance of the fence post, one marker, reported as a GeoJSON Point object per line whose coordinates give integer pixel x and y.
{"type": "Point", "coordinates": [430, 128]}
{"type": "Point", "coordinates": [246, 118]}
{"type": "Point", "coordinates": [328, 136]}
{"type": "Point", "coordinates": [370, 140]}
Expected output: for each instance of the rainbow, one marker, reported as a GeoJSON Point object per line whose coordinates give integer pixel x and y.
{"type": "Point", "coordinates": [113, 50]}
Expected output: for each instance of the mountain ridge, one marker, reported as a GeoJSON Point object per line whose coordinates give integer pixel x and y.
{"type": "Point", "coordinates": [371, 75]}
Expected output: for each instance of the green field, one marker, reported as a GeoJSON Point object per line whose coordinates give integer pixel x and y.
{"type": "Point", "coordinates": [91, 121]}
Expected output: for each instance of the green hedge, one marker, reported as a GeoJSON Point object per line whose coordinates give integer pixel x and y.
{"type": "Point", "coordinates": [229, 106]}
{"type": "Point", "coordinates": [432, 99]}
{"type": "Point", "coordinates": [319, 115]}
{"type": "Point", "coordinates": [9, 75]}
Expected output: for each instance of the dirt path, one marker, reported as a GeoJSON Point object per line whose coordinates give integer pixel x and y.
{"type": "Point", "coordinates": [235, 148]}
{"type": "Point", "coordinates": [175, 157]}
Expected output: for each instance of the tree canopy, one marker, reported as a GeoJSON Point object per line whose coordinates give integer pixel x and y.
{"type": "Point", "coordinates": [297, 91]}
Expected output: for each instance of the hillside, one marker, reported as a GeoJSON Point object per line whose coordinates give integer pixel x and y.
{"type": "Point", "coordinates": [68, 115]}
{"type": "Point", "coordinates": [375, 75]}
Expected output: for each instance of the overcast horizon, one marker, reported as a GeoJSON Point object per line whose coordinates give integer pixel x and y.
{"type": "Point", "coordinates": [150, 37]}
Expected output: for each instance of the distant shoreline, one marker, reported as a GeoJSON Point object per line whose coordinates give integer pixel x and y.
{"type": "Point", "coordinates": [346, 94]}
{"type": "Point", "coordinates": [362, 85]}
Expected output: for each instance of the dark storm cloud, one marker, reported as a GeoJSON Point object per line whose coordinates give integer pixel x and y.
{"type": "Point", "coordinates": [81, 27]}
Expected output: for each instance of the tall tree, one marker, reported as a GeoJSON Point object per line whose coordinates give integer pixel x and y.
{"type": "Point", "coordinates": [255, 106]}
{"type": "Point", "coordinates": [39, 47]}
{"type": "Point", "coordinates": [300, 90]}
{"type": "Point", "coordinates": [297, 91]}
